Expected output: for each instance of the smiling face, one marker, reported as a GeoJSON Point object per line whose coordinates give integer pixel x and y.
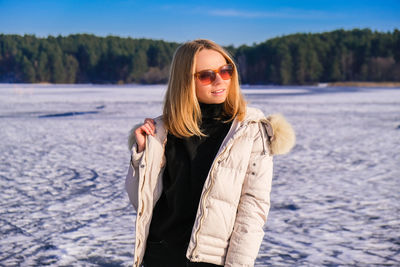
{"type": "Point", "coordinates": [217, 91]}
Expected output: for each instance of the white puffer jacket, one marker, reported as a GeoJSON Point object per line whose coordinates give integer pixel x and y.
{"type": "Point", "coordinates": [234, 203]}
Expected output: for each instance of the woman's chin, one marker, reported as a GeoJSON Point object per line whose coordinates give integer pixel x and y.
{"type": "Point", "coordinates": [214, 99]}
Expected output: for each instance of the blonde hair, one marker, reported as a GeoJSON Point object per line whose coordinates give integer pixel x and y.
{"type": "Point", "coordinates": [182, 114]}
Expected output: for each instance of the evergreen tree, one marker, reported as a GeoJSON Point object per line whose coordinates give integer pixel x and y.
{"type": "Point", "coordinates": [28, 71]}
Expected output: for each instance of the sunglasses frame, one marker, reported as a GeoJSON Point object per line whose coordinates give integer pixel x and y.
{"type": "Point", "coordinates": [217, 71]}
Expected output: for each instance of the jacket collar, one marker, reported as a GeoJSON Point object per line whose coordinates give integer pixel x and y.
{"type": "Point", "coordinates": [281, 137]}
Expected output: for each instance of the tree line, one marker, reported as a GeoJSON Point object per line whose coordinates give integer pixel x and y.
{"type": "Point", "coordinates": [355, 55]}
{"type": "Point", "coordinates": [84, 58]}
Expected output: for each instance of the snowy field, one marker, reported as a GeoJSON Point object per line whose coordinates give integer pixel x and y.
{"type": "Point", "coordinates": [64, 157]}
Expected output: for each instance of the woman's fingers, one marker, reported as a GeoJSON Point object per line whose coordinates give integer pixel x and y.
{"type": "Point", "coordinates": [147, 128]}
{"type": "Point", "coordinates": [149, 124]}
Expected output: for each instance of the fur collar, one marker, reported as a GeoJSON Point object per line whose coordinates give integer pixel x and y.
{"type": "Point", "coordinates": [281, 134]}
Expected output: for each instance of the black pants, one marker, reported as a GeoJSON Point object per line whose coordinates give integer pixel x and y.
{"type": "Point", "coordinates": [160, 254]}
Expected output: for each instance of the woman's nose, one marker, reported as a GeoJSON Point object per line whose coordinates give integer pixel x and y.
{"type": "Point", "coordinates": [218, 78]}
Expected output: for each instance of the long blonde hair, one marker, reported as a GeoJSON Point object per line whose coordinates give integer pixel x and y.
{"type": "Point", "coordinates": [182, 114]}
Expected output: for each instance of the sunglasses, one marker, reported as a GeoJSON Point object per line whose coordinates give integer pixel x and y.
{"type": "Point", "coordinates": [208, 76]}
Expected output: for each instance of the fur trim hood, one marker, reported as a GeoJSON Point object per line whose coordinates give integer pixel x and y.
{"type": "Point", "coordinates": [281, 134]}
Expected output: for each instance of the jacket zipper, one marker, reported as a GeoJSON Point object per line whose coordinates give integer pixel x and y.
{"type": "Point", "coordinates": [203, 200]}
{"type": "Point", "coordinates": [208, 190]}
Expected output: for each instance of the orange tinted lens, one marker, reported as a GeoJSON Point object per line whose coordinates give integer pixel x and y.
{"type": "Point", "coordinates": [226, 72]}
{"type": "Point", "coordinates": [206, 77]}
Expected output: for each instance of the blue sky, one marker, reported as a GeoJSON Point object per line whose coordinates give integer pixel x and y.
{"type": "Point", "coordinates": [226, 22]}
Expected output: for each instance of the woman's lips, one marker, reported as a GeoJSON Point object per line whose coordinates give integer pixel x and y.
{"type": "Point", "coordinates": [218, 92]}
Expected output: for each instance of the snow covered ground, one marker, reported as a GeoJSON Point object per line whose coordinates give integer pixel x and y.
{"type": "Point", "coordinates": [64, 157]}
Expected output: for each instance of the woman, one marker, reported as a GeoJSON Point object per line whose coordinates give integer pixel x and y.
{"type": "Point", "coordinates": [200, 174]}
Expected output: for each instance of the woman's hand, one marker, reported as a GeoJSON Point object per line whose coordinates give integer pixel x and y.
{"type": "Point", "coordinates": [148, 127]}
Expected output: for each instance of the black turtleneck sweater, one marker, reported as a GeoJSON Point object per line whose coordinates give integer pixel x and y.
{"type": "Point", "coordinates": [188, 161]}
